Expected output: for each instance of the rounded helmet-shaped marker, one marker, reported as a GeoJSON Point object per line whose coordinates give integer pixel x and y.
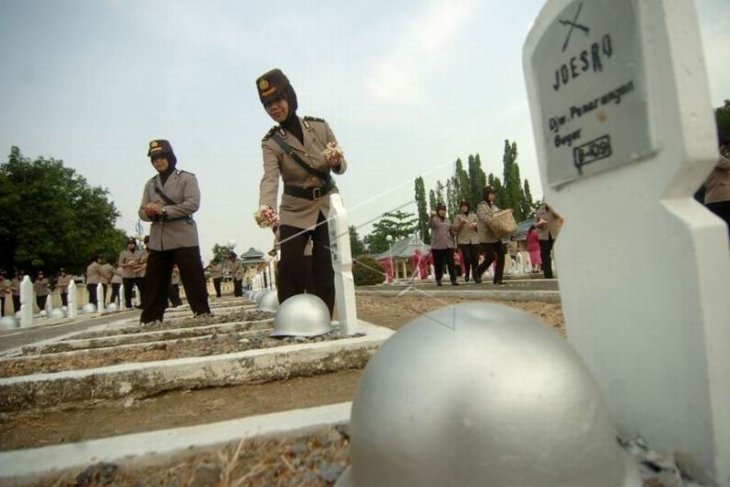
{"type": "Point", "coordinates": [304, 315]}
{"type": "Point", "coordinates": [482, 395]}
{"type": "Point", "coordinates": [9, 323]}
{"type": "Point", "coordinates": [269, 301]}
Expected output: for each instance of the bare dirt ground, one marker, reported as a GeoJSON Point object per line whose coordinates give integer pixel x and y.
{"type": "Point", "coordinates": [98, 419]}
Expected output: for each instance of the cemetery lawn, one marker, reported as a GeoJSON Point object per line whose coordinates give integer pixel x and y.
{"type": "Point", "coordinates": [98, 419]}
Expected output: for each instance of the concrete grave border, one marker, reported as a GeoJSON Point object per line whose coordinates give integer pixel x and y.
{"type": "Point", "coordinates": [150, 378]}
{"type": "Point", "coordinates": [19, 467]}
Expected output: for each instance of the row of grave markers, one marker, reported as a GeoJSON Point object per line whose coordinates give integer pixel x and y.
{"type": "Point", "coordinates": [27, 301]}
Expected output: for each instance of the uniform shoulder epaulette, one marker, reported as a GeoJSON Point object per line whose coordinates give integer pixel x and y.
{"type": "Point", "coordinates": [269, 133]}
{"type": "Point", "coordinates": [314, 119]}
{"type": "Point", "coordinates": [183, 171]}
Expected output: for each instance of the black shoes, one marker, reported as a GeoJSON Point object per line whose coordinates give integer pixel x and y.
{"type": "Point", "coordinates": [454, 283]}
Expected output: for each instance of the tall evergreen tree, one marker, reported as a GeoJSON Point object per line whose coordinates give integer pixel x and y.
{"type": "Point", "coordinates": [420, 189]}
{"type": "Point", "coordinates": [398, 224]}
{"type": "Point", "coordinates": [513, 195]}
{"type": "Point", "coordinates": [528, 207]}
{"type": "Point", "coordinates": [477, 180]}
{"type": "Point", "coordinates": [440, 193]}
{"type": "Point", "coordinates": [357, 247]}
{"type": "Point", "coordinates": [452, 196]}
{"type": "Point", "coordinates": [432, 201]}
{"type": "Point", "coordinates": [462, 177]}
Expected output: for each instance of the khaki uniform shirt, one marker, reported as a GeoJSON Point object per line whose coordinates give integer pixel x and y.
{"type": "Point", "coordinates": [484, 214]}
{"type": "Point", "coordinates": [717, 185]}
{"type": "Point", "coordinates": [63, 282]}
{"type": "Point", "coordinates": [294, 211]}
{"type": "Point", "coordinates": [15, 286]}
{"type": "Point", "coordinates": [465, 232]}
{"type": "Point", "coordinates": [107, 273]}
{"type": "Point", "coordinates": [236, 269]}
{"type": "Point", "coordinates": [127, 262]}
{"type": "Point", "coordinates": [216, 270]}
{"type": "Point", "coordinates": [40, 287]}
{"type": "Point", "coordinates": [117, 277]}
{"type": "Point", "coordinates": [5, 287]}
{"type": "Point", "coordinates": [552, 226]}
{"type": "Point", "coordinates": [177, 231]}
{"type": "Point", "coordinates": [141, 268]}
{"type": "Point", "coordinates": [94, 274]}
{"type": "Point", "coordinates": [441, 237]}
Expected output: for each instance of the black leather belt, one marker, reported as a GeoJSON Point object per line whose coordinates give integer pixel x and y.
{"type": "Point", "coordinates": [308, 193]}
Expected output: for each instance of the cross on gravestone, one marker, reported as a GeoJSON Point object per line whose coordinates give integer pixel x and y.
{"type": "Point", "coordinates": [624, 132]}
{"type": "Point", "coordinates": [72, 298]}
{"type": "Point", "coordinates": [26, 302]}
{"type": "Point", "coordinates": [342, 264]}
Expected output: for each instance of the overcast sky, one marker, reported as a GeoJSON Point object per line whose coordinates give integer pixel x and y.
{"type": "Point", "coordinates": [408, 87]}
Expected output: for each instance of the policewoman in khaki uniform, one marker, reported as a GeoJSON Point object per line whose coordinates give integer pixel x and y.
{"type": "Point", "coordinates": [236, 270]}
{"type": "Point", "coordinates": [63, 281]}
{"type": "Point", "coordinates": [128, 261]}
{"type": "Point", "coordinates": [548, 223]}
{"type": "Point", "coordinates": [169, 201]}
{"type": "Point", "coordinates": [94, 277]}
{"type": "Point", "coordinates": [293, 151]}
{"type": "Point", "coordinates": [489, 243]}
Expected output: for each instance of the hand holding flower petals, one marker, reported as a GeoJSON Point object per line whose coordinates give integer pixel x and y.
{"type": "Point", "coordinates": [266, 217]}
{"type": "Point", "coordinates": [333, 153]}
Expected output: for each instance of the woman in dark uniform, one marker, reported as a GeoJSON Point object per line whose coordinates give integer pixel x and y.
{"type": "Point", "coordinates": [303, 152]}
{"type": "Point", "coordinates": [169, 201]}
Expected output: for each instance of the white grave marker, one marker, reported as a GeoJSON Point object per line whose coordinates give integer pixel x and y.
{"type": "Point", "coordinates": [342, 265]}
{"type": "Point", "coordinates": [100, 298]}
{"type": "Point", "coordinates": [137, 297]}
{"type": "Point", "coordinates": [624, 131]}
{"type": "Point", "coordinates": [72, 297]}
{"type": "Point", "coordinates": [26, 302]}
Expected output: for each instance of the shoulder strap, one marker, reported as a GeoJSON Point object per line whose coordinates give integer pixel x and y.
{"type": "Point", "coordinates": [162, 194]}
{"type": "Point", "coordinates": [288, 150]}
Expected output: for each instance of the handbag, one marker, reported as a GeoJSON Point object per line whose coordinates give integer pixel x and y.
{"type": "Point", "coordinates": [502, 223]}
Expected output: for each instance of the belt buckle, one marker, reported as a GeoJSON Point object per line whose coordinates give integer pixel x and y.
{"type": "Point", "coordinates": [316, 193]}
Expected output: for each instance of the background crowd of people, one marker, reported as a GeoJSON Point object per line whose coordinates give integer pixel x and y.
{"type": "Point", "coordinates": [472, 239]}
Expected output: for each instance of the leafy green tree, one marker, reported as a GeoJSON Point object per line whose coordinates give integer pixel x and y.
{"type": "Point", "coordinates": [422, 210]}
{"type": "Point", "coordinates": [367, 272]}
{"type": "Point", "coordinates": [357, 247]}
{"type": "Point", "coordinates": [398, 224]}
{"type": "Point", "coordinates": [51, 218]}
{"type": "Point", "coordinates": [221, 252]}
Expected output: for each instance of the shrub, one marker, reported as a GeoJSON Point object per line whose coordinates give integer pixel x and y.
{"type": "Point", "coordinates": [366, 271]}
